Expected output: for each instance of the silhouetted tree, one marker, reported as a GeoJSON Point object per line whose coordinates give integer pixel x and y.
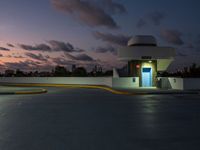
{"type": "Point", "coordinates": [192, 71]}
{"type": "Point", "coordinates": [108, 73]}
{"type": "Point", "coordinates": [79, 72]}
{"type": "Point", "coordinates": [61, 71]}
{"type": "Point", "coordinates": [19, 73]}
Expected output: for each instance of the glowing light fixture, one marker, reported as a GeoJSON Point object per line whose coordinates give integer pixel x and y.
{"type": "Point", "coordinates": [137, 66]}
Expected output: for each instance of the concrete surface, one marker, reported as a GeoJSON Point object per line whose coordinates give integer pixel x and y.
{"type": "Point", "coordinates": [107, 81]}
{"type": "Point", "coordinates": [21, 90]}
{"type": "Point", "coordinates": [90, 119]}
{"type": "Point", "coordinates": [154, 90]}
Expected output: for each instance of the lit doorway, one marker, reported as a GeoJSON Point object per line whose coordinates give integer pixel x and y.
{"type": "Point", "coordinates": [146, 77]}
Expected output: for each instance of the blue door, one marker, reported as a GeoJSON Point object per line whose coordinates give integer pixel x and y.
{"type": "Point", "coordinates": [146, 77]}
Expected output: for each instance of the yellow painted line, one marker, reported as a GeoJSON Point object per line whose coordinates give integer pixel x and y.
{"type": "Point", "coordinates": [31, 92]}
{"type": "Point", "coordinates": [74, 86]}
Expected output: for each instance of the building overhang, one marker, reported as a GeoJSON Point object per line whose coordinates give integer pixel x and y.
{"type": "Point", "coordinates": [163, 55]}
{"type": "Point", "coordinates": [145, 52]}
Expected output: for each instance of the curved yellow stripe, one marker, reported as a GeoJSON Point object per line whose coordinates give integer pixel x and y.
{"type": "Point", "coordinates": [73, 86]}
{"type": "Point", "coordinates": [31, 92]}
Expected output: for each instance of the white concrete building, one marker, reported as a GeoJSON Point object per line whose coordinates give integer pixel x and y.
{"type": "Point", "coordinates": [144, 59]}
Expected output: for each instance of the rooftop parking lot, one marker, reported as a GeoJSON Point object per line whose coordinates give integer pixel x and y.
{"type": "Point", "coordinates": [92, 119]}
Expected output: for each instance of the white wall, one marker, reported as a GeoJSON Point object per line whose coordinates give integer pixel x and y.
{"type": "Point", "coordinates": [60, 80]}
{"type": "Point", "coordinates": [180, 83]}
{"type": "Point", "coordinates": [191, 83]}
{"type": "Point", "coordinates": [176, 83]}
{"type": "Point", "coordinates": [171, 83]}
{"type": "Point", "coordinates": [125, 82]}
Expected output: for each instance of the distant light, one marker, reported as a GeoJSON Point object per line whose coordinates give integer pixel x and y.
{"type": "Point", "coordinates": [150, 61]}
{"type": "Point", "coordinates": [137, 66]}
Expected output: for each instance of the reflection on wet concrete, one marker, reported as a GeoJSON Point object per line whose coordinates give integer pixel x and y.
{"type": "Point", "coordinates": [94, 120]}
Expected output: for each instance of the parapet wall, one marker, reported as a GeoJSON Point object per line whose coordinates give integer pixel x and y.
{"type": "Point", "coordinates": [128, 82]}
{"type": "Point", "coordinates": [123, 82]}
{"type": "Point", "coordinates": [107, 81]}
{"type": "Point", "coordinates": [180, 83]}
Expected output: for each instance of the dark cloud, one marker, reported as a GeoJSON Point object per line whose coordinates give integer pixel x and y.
{"type": "Point", "coordinates": [39, 47]}
{"type": "Point", "coordinates": [106, 49]}
{"type": "Point", "coordinates": [80, 57]}
{"type": "Point", "coordinates": [155, 18]}
{"type": "Point", "coordinates": [52, 46]}
{"type": "Point", "coordinates": [61, 46]}
{"type": "Point", "coordinates": [38, 57]}
{"type": "Point", "coordinates": [172, 36]}
{"type": "Point", "coordinates": [18, 56]}
{"type": "Point", "coordinates": [27, 65]}
{"type": "Point", "coordinates": [47, 56]}
{"type": "Point", "coordinates": [15, 56]}
{"type": "Point", "coordinates": [84, 57]}
{"type": "Point", "coordinates": [190, 46]}
{"type": "Point", "coordinates": [78, 50]}
{"type": "Point", "coordinates": [69, 56]}
{"type": "Point", "coordinates": [197, 40]}
{"type": "Point", "coordinates": [10, 45]}
{"type": "Point", "coordinates": [141, 23]}
{"type": "Point", "coordinates": [112, 7]}
{"type": "Point", "coordinates": [1, 55]}
{"type": "Point", "coordinates": [4, 49]}
{"type": "Point", "coordinates": [88, 12]}
{"type": "Point", "coordinates": [180, 54]}
{"type": "Point", "coordinates": [113, 39]}
{"type": "Point", "coordinates": [62, 61]}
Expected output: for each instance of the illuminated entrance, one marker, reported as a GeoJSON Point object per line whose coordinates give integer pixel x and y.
{"type": "Point", "coordinates": [146, 77]}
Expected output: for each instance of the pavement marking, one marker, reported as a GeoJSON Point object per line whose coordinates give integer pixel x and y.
{"type": "Point", "coordinates": [114, 91]}
{"type": "Point", "coordinates": [40, 91]}
{"type": "Point", "coordinates": [35, 91]}
{"type": "Point", "coordinates": [72, 86]}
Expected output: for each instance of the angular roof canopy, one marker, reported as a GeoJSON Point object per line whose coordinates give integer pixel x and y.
{"type": "Point", "coordinates": [145, 48]}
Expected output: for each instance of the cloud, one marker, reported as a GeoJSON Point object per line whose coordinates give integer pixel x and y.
{"type": "Point", "coordinates": [62, 61]}
{"type": "Point", "coordinates": [10, 45]}
{"type": "Point", "coordinates": [141, 23]}
{"type": "Point", "coordinates": [80, 57]}
{"type": "Point", "coordinates": [84, 57]}
{"type": "Point", "coordinates": [155, 18]}
{"type": "Point", "coordinates": [69, 56]}
{"type": "Point", "coordinates": [112, 7]}
{"type": "Point", "coordinates": [1, 55]}
{"type": "Point", "coordinates": [4, 49]}
{"type": "Point", "coordinates": [106, 49]}
{"type": "Point", "coordinates": [38, 57]}
{"type": "Point", "coordinates": [61, 46]}
{"type": "Point", "coordinates": [27, 65]}
{"type": "Point", "coordinates": [197, 40]}
{"type": "Point", "coordinates": [15, 56]}
{"type": "Point", "coordinates": [88, 12]}
{"type": "Point", "coordinates": [52, 46]}
{"type": "Point", "coordinates": [121, 40]}
{"type": "Point", "coordinates": [180, 54]}
{"type": "Point", "coordinates": [38, 47]}
{"type": "Point", "coordinates": [172, 36]}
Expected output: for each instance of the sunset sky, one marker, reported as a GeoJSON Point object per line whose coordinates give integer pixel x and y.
{"type": "Point", "coordinates": [39, 34]}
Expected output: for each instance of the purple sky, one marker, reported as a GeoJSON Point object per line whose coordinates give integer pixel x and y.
{"type": "Point", "coordinates": [39, 34]}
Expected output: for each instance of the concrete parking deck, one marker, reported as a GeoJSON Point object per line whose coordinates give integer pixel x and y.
{"type": "Point", "coordinates": [93, 119]}
{"type": "Point", "coordinates": [20, 90]}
